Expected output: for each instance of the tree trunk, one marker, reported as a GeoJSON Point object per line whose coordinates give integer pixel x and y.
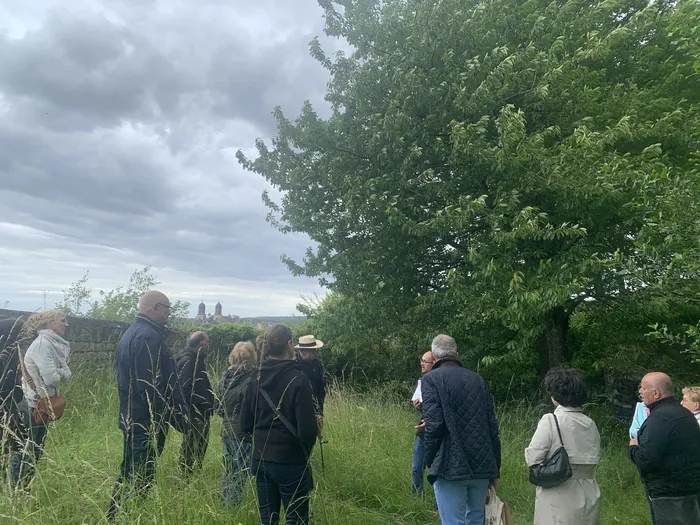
{"type": "Point", "coordinates": [552, 342]}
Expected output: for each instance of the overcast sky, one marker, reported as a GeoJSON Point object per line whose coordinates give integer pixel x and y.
{"type": "Point", "coordinates": [119, 122]}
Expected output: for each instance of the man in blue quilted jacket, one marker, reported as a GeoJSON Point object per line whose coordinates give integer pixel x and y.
{"type": "Point", "coordinates": [150, 397]}
{"type": "Point", "coordinates": [462, 447]}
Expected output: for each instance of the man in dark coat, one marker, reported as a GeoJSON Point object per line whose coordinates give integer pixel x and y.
{"type": "Point", "coordinates": [11, 424]}
{"type": "Point", "coordinates": [307, 358]}
{"type": "Point", "coordinates": [418, 464]}
{"type": "Point", "coordinates": [196, 387]}
{"type": "Point", "coordinates": [150, 396]}
{"type": "Point", "coordinates": [462, 447]}
{"type": "Point", "coordinates": [667, 454]}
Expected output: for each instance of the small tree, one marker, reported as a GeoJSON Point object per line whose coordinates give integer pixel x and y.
{"type": "Point", "coordinates": [122, 304]}
{"type": "Point", "coordinates": [119, 304]}
{"type": "Point", "coordinates": [77, 295]}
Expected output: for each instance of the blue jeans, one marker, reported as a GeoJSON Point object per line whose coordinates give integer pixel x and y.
{"type": "Point", "coordinates": [23, 462]}
{"type": "Point", "coordinates": [461, 502]}
{"type": "Point", "coordinates": [236, 453]}
{"type": "Point", "coordinates": [278, 483]}
{"type": "Point", "coordinates": [418, 466]}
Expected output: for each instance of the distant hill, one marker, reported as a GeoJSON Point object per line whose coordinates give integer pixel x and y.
{"type": "Point", "coordinates": [291, 319]}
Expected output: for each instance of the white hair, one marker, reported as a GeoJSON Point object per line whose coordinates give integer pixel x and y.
{"type": "Point", "coordinates": [444, 346]}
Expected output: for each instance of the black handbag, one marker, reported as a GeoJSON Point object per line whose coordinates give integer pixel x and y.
{"type": "Point", "coordinates": [555, 470]}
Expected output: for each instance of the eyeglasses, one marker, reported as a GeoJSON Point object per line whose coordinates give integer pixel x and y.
{"type": "Point", "coordinates": [424, 362]}
{"type": "Point", "coordinates": [163, 304]}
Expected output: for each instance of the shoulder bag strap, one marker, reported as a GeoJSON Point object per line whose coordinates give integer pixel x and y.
{"type": "Point", "coordinates": [284, 421]}
{"type": "Point", "coordinates": [556, 422]}
{"type": "Point", "coordinates": [28, 379]}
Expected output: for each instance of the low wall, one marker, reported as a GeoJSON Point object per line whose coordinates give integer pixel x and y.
{"type": "Point", "coordinates": [94, 342]}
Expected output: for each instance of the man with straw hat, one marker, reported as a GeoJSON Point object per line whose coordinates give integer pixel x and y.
{"type": "Point", "coordinates": [307, 357]}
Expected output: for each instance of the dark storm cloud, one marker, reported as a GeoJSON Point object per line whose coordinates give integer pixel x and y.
{"type": "Point", "coordinates": [81, 72]}
{"type": "Point", "coordinates": [119, 121]}
{"type": "Point", "coordinates": [84, 171]}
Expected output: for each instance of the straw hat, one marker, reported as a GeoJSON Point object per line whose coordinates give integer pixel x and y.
{"type": "Point", "coordinates": [308, 342]}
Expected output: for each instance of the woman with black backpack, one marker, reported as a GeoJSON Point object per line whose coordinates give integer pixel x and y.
{"type": "Point", "coordinates": [278, 411]}
{"type": "Point", "coordinates": [236, 443]}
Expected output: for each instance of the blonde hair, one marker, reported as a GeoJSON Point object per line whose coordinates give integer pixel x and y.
{"type": "Point", "coordinates": [41, 320]}
{"type": "Point", "coordinates": [243, 355]}
{"type": "Point", "coordinates": [693, 392]}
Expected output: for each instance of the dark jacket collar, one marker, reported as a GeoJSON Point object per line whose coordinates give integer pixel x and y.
{"type": "Point", "coordinates": [446, 361]}
{"type": "Point", "coordinates": [196, 353]}
{"type": "Point", "coordinates": [660, 402]}
{"type": "Point", "coordinates": [162, 330]}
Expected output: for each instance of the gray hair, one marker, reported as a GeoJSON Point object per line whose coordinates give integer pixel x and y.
{"type": "Point", "coordinates": [444, 346]}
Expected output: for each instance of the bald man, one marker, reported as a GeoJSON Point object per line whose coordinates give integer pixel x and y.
{"type": "Point", "coordinates": [150, 396]}
{"type": "Point", "coordinates": [196, 387]}
{"type": "Point", "coordinates": [667, 454]}
{"type": "Point", "coordinates": [418, 464]}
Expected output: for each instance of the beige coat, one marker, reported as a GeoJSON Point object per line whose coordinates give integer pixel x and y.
{"type": "Point", "coordinates": [576, 501]}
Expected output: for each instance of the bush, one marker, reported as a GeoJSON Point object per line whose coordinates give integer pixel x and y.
{"type": "Point", "coordinates": [223, 337]}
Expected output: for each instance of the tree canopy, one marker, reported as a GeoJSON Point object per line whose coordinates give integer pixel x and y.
{"type": "Point", "coordinates": [493, 169]}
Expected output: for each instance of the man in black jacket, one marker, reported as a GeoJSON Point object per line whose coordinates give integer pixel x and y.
{"type": "Point", "coordinates": [150, 396]}
{"type": "Point", "coordinates": [462, 447]}
{"type": "Point", "coordinates": [11, 424]}
{"type": "Point", "coordinates": [307, 357]}
{"type": "Point", "coordinates": [196, 387]}
{"type": "Point", "coordinates": [667, 454]}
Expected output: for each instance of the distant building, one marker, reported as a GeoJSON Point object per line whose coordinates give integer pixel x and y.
{"type": "Point", "coordinates": [201, 312]}
{"type": "Point", "coordinates": [202, 320]}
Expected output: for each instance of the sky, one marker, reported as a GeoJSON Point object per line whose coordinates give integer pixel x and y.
{"type": "Point", "coordinates": [119, 124]}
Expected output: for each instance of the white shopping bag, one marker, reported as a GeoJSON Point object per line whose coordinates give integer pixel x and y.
{"type": "Point", "coordinates": [494, 509]}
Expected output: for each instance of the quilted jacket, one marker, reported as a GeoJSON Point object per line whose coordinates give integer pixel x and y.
{"type": "Point", "coordinates": [461, 431]}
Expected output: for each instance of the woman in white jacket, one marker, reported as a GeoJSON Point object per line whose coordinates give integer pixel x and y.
{"type": "Point", "coordinates": [46, 364]}
{"type": "Point", "coordinates": [577, 500]}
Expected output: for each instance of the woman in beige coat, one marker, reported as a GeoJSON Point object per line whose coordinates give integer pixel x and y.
{"type": "Point", "coordinates": [576, 501]}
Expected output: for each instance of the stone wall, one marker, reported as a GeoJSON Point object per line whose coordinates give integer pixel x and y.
{"type": "Point", "coordinates": [94, 342]}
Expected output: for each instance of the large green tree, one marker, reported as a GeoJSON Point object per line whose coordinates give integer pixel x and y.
{"type": "Point", "coordinates": [491, 166]}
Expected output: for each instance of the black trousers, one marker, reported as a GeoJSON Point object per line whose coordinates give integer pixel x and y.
{"type": "Point", "coordinates": [194, 445]}
{"type": "Point", "coordinates": [12, 433]}
{"type": "Point", "coordinates": [138, 468]}
{"type": "Point", "coordinates": [282, 484]}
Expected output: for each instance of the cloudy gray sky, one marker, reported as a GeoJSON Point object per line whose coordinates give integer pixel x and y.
{"type": "Point", "coordinates": [119, 122]}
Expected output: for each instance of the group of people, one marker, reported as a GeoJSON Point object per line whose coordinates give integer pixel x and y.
{"type": "Point", "coordinates": [457, 440]}
{"type": "Point", "coordinates": [270, 398]}
{"type": "Point", "coordinates": [271, 401]}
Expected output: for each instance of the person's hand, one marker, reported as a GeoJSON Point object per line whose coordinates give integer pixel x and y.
{"type": "Point", "coordinates": [493, 483]}
{"type": "Point", "coordinates": [417, 404]}
{"type": "Point", "coordinates": [420, 425]}
{"type": "Point", "coordinates": [634, 442]}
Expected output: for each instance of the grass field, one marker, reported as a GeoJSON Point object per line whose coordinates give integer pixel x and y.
{"type": "Point", "coordinates": [366, 479]}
